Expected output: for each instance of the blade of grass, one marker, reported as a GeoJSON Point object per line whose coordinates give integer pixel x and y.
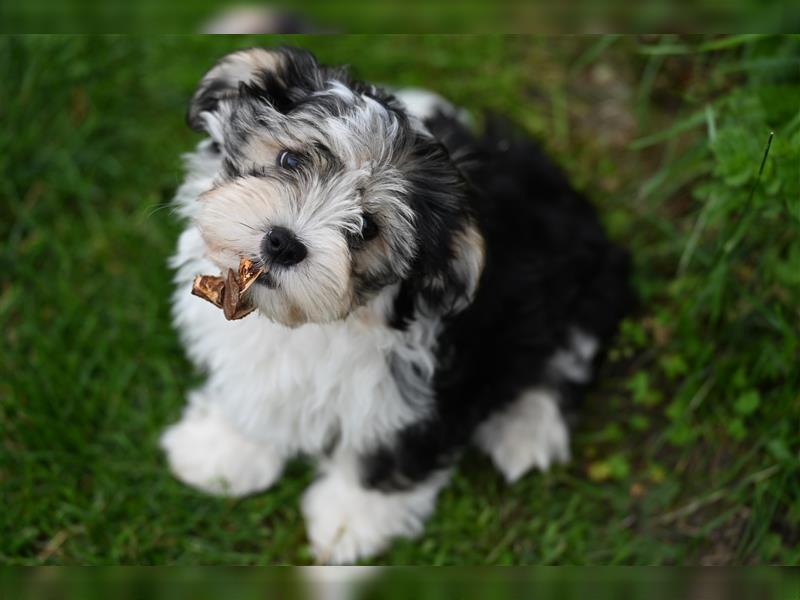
{"type": "Point", "coordinates": [731, 41]}
{"type": "Point", "coordinates": [594, 51]}
{"type": "Point", "coordinates": [682, 126]}
{"type": "Point", "coordinates": [730, 245]}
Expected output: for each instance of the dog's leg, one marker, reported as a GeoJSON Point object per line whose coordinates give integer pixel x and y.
{"type": "Point", "coordinates": [348, 521]}
{"type": "Point", "coordinates": [206, 452]}
{"type": "Point", "coordinates": [530, 432]}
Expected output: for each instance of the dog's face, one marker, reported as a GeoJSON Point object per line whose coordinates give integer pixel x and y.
{"type": "Point", "coordinates": [331, 184]}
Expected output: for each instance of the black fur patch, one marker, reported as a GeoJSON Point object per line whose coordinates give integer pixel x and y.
{"type": "Point", "coordinates": [403, 309]}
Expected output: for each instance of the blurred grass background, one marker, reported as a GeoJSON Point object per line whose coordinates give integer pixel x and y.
{"type": "Point", "coordinates": [688, 452]}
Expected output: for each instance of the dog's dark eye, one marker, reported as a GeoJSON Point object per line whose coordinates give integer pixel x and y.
{"type": "Point", "coordinates": [369, 229]}
{"type": "Point", "coordinates": [288, 160]}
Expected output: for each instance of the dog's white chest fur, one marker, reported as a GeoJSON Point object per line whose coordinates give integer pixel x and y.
{"type": "Point", "coordinates": [299, 389]}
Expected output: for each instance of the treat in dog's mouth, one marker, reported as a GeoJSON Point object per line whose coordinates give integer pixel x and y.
{"type": "Point", "coordinates": [228, 293]}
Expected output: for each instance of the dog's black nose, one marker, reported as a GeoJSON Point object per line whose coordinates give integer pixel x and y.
{"type": "Point", "coordinates": [282, 247]}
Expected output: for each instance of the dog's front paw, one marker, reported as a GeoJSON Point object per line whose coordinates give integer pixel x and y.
{"type": "Point", "coordinates": [530, 433]}
{"type": "Point", "coordinates": [205, 452]}
{"type": "Point", "coordinates": [347, 523]}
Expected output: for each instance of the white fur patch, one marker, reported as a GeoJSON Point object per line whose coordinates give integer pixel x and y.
{"type": "Point", "coordinates": [201, 169]}
{"type": "Point", "coordinates": [253, 20]}
{"type": "Point", "coordinates": [346, 522]}
{"type": "Point", "coordinates": [336, 583]}
{"type": "Point", "coordinates": [296, 388]}
{"type": "Point", "coordinates": [575, 362]}
{"type": "Point", "coordinates": [207, 453]}
{"type": "Point", "coordinates": [423, 104]}
{"type": "Point", "coordinates": [529, 433]}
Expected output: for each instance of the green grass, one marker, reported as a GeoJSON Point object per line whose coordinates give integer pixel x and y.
{"type": "Point", "coordinates": [689, 449]}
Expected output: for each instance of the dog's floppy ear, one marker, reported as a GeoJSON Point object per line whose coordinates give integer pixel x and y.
{"type": "Point", "coordinates": [282, 76]}
{"type": "Point", "coordinates": [450, 260]}
{"type": "Point", "coordinates": [451, 288]}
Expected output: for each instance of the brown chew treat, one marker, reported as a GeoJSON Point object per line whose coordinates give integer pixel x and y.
{"type": "Point", "coordinates": [227, 293]}
{"type": "Point", "coordinates": [209, 287]}
{"type": "Point", "coordinates": [230, 300]}
{"type": "Point", "coordinates": [248, 273]}
{"type": "Point", "coordinates": [243, 311]}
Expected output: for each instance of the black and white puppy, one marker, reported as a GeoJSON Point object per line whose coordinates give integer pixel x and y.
{"type": "Point", "coordinates": [427, 288]}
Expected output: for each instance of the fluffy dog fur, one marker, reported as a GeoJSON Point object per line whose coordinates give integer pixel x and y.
{"type": "Point", "coordinates": [449, 288]}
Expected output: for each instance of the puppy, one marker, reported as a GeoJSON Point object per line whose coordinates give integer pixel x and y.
{"type": "Point", "coordinates": [426, 288]}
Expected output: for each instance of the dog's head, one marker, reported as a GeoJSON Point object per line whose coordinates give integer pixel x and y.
{"type": "Point", "coordinates": [334, 187]}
